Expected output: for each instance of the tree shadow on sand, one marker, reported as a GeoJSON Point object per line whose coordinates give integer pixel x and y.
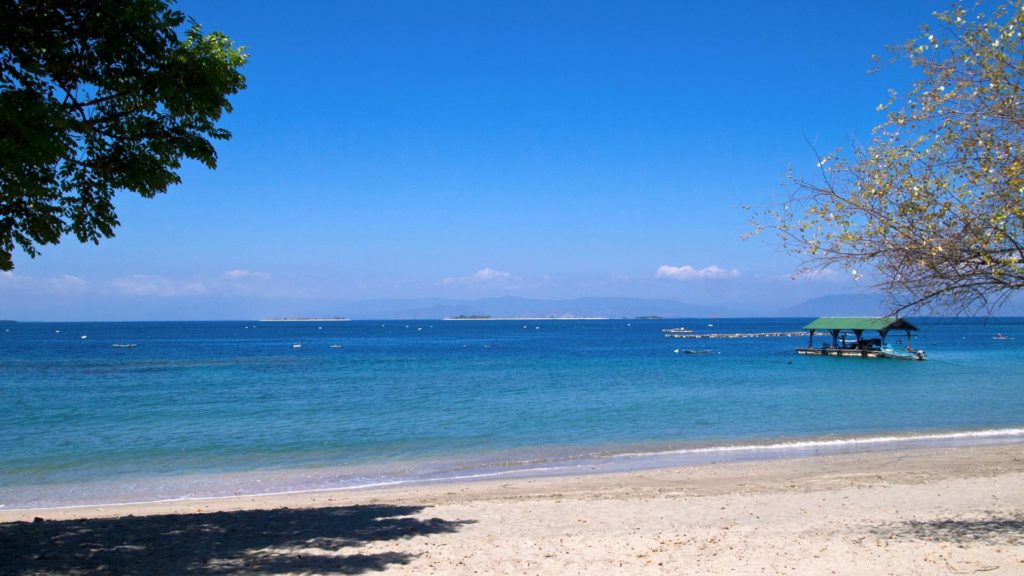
{"type": "Point", "coordinates": [991, 530]}
{"type": "Point", "coordinates": [320, 540]}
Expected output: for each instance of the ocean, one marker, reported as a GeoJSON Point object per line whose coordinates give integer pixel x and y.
{"type": "Point", "coordinates": [206, 409]}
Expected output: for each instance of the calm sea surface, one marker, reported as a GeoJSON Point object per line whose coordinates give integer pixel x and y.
{"type": "Point", "coordinates": [212, 408]}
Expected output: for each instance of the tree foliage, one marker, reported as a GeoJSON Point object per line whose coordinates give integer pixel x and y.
{"type": "Point", "coordinates": [98, 97]}
{"type": "Point", "coordinates": [933, 208]}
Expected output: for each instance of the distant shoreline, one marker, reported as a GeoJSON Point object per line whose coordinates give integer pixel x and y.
{"type": "Point", "coordinates": [335, 319]}
{"type": "Point", "coordinates": [531, 318]}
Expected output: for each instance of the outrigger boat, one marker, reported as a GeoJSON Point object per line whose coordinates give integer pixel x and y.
{"type": "Point", "coordinates": [861, 347]}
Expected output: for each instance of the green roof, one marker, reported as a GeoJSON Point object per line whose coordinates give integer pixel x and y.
{"type": "Point", "coordinates": [860, 323]}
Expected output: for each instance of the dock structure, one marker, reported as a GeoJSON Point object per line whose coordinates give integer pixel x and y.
{"type": "Point", "coordinates": [860, 347]}
{"type": "Point", "coordinates": [689, 334]}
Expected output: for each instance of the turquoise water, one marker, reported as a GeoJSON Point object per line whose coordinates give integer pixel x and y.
{"type": "Point", "coordinates": [210, 408]}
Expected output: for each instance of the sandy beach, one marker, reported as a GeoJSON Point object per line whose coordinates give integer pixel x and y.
{"type": "Point", "coordinates": [926, 511]}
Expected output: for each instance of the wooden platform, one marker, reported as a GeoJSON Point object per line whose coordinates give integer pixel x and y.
{"type": "Point", "coordinates": [691, 334]}
{"type": "Point", "coordinates": [844, 352]}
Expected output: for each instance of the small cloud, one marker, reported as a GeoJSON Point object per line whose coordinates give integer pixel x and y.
{"type": "Point", "coordinates": [489, 274]}
{"type": "Point", "coordinates": [816, 275]}
{"type": "Point", "coordinates": [238, 274]}
{"type": "Point", "coordinates": [63, 284]}
{"type": "Point", "coordinates": [482, 276]}
{"type": "Point", "coordinates": [146, 285]}
{"type": "Point", "coordinates": [14, 281]}
{"type": "Point", "coordinates": [712, 272]}
{"type": "Point", "coordinates": [67, 283]}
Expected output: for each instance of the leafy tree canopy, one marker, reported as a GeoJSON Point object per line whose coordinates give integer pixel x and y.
{"type": "Point", "coordinates": [933, 208]}
{"type": "Point", "coordinates": [98, 97]}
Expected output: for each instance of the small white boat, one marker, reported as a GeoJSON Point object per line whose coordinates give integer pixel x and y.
{"type": "Point", "coordinates": [296, 346]}
{"type": "Point", "coordinates": [123, 345]}
{"type": "Point", "coordinates": [908, 354]}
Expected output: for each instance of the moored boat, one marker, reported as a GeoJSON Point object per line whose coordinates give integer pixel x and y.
{"type": "Point", "coordinates": [909, 354]}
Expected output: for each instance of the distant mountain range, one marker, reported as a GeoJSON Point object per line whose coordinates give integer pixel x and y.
{"type": "Point", "coordinates": [432, 308]}
{"type": "Point", "coordinates": [870, 305]}
{"type": "Point", "coordinates": [839, 305]}
{"type": "Point", "coordinates": [435, 308]}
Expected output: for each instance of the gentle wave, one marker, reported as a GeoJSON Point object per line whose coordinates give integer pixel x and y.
{"type": "Point", "coordinates": [617, 462]}
{"type": "Point", "coordinates": [842, 442]}
{"type": "Point", "coordinates": [605, 462]}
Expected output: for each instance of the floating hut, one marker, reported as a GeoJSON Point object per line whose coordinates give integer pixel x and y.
{"type": "Point", "coordinates": [859, 346]}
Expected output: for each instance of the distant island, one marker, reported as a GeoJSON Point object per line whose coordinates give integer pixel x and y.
{"type": "Point", "coordinates": [305, 319]}
{"type": "Point", "coordinates": [485, 317]}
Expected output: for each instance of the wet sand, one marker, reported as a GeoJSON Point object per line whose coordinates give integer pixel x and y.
{"type": "Point", "coordinates": [925, 511]}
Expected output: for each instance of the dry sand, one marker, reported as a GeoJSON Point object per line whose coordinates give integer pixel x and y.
{"type": "Point", "coordinates": [927, 511]}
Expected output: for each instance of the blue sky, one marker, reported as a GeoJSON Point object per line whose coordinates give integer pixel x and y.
{"type": "Point", "coordinates": [478, 149]}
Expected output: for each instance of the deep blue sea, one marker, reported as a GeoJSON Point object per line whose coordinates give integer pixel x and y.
{"type": "Point", "coordinates": [200, 409]}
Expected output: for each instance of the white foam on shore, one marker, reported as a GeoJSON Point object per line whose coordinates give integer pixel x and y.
{"type": "Point", "coordinates": [621, 462]}
{"type": "Point", "coordinates": [843, 442]}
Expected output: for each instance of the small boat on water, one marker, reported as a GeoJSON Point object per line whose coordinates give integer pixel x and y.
{"type": "Point", "coordinates": [908, 354]}
{"type": "Point", "coordinates": [296, 346]}
{"type": "Point", "coordinates": [1001, 336]}
{"type": "Point", "coordinates": [679, 330]}
{"type": "Point", "coordinates": [123, 345]}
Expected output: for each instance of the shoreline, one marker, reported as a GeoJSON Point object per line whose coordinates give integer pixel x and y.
{"type": "Point", "coordinates": [791, 454]}
{"type": "Point", "coordinates": [920, 511]}
{"type": "Point", "coordinates": [502, 466]}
